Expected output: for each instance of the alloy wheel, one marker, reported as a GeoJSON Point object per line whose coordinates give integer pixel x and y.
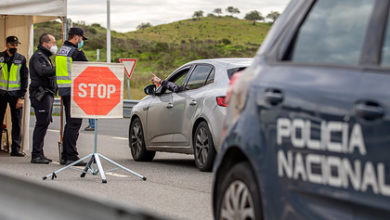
{"type": "Point", "coordinates": [237, 202]}
{"type": "Point", "coordinates": [202, 145]}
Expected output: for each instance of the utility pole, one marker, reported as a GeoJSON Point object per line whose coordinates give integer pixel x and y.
{"type": "Point", "coordinates": [108, 33]}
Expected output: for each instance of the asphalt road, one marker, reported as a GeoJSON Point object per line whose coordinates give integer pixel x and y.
{"type": "Point", "coordinates": [175, 188]}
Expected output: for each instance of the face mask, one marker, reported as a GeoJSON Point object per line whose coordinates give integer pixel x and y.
{"type": "Point", "coordinates": [12, 50]}
{"type": "Point", "coordinates": [53, 49]}
{"type": "Point", "coordinates": [81, 44]}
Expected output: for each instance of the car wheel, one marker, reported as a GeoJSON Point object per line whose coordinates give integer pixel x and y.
{"type": "Point", "coordinates": [137, 142]}
{"type": "Point", "coordinates": [239, 197]}
{"type": "Point", "coordinates": [204, 151]}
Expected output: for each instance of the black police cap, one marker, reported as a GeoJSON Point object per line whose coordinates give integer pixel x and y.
{"type": "Point", "coordinates": [78, 31]}
{"type": "Point", "coordinates": [12, 39]}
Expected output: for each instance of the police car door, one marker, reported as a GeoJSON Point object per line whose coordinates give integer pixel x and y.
{"type": "Point", "coordinates": [372, 109]}
{"type": "Point", "coordinates": [307, 96]}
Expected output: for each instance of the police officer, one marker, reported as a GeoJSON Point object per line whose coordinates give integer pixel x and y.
{"type": "Point", "coordinates": [13, 87]}
{"type": "Point", "coordinates": [42, 89]}
{"type": "Point", "coordinates": [68, 53]}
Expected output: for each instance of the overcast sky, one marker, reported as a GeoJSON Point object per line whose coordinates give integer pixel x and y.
{"type": "Point", "coordinates": [126, 15]}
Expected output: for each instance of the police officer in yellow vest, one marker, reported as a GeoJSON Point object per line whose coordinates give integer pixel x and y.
{"type": "Point", "coordinates": [13, 87]}
{"type": "Point", "coordinates": [68, 53]}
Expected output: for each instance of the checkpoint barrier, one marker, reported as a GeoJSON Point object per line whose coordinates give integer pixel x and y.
{"type": "Point", "coordinates": [21, 199]}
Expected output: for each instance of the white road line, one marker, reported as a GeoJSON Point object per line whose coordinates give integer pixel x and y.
{"type": "Point", "coordinates": [58, 131]}
{"type": "Point", "coordinates": [116, 174]}
{"type": "Point", "coordinates": [120, 138]}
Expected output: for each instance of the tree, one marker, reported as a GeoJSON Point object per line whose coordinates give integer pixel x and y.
{"type": "Point", "coordinates": [144, 25]}
{"type": "Point", "coordinates": [198, 14]}
{"type": "Point", "coordinates": [218, 11]}
{"type": "Point", "coordinates": [232, 10]}
{"type": "Point", "coordinates": [254, 16]}
{"type": "Point", "coordinates": [273, 15]}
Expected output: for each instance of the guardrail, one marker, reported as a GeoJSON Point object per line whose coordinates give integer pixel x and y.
{"type": "Point", "coordinates": [21, 199]}
{"type": "Point", "coordinates": [127, 106]}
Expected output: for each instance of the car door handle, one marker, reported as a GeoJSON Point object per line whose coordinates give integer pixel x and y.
{"type": "Point", "coordinates": [170, 105]}
{"type": "Point", "coordinates": [146, 108]}
{"type": "Point", "coordinates": [193, 102]}
{"type": "Point", "coordinates": [274, 96]}
{"type": "Point", "coordinates": [369, 110]}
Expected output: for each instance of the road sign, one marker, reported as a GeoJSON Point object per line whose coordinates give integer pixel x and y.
{"type": "Point", "coordinates": [129, 65]}
{"type": "Point", "coordinates": [97, 90]}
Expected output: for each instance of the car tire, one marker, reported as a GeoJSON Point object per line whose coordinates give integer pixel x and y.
{"type": "Point", "coordinates": [203, 144]}
{"type": "Point", "coordinates": [238, 183]}
{"type": "Point", "coordinates": [137, 142]}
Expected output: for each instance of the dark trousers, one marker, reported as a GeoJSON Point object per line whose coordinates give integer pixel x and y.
{"type": "Point", "coordinates": [16, 118]}
{"type": "Point", "coordinates": [71, 132]}
{"type": "Point", "coordinates": [43, 113]}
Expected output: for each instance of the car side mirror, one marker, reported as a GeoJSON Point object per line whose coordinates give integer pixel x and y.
{"type": "Point", "coordinates": [150, 89]}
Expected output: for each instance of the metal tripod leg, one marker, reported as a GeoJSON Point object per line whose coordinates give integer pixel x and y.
{"type": "Point", "coordinates": [54, 174]}
{"type": "Point", "coordinates": [100, 168]}
{"type": "Point", "coordinates": [122, 167]}
{"type": "Point", "coordinates": [87, 167]}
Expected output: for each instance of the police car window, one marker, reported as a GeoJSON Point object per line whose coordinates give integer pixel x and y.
{"type": "Point", "coordinates": [386, 46]}
{"type": "Point", "coordinates": [199, 76]}
{"type": "Point", "coordinates": [333, 32]}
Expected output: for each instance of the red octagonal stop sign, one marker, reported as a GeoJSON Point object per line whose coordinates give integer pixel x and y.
{"type": "Point", "coordinates": [96, 90]}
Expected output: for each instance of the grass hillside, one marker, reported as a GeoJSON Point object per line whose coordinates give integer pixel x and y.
{"type": "Point", "coordinates": [161, 49]}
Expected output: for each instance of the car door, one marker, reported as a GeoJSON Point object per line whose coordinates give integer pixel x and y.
{"type": "Point", "coordinates": [161, 119]}
{"type": "Point", "coordinates": [306, 97]}
{"type": "Point", "coordinates": [372, 109]}
{"type": "Point", "coordinates": [188, 102]}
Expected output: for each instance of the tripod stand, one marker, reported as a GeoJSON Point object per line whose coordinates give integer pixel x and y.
{"type": "Point", "coordinates": [94, 160]}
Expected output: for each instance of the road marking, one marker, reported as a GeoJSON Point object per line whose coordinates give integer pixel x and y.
{"type": "Point", "coordinates": [120, 138]}
{"type": "Point", "coordinates": [116, 174]}
{"type": "Point", "coordinates": [53, 130]}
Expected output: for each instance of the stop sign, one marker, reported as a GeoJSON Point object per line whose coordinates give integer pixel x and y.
{"type": "Point", "coordinates": [97, 90]}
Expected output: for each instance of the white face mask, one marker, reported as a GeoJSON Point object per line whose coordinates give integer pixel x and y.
{"type": "Point", "coordinates": [53, 49]}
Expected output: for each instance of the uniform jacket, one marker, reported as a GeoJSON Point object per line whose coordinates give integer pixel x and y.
{"type": "Point", "coordinates": [42, 70]}
{"type": "Point", "coordinates": [23, 74]}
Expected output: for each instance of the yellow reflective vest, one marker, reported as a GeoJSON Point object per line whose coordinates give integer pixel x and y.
{"type": "Point", "coordinates": [64, 66]}
{"type": "Point", "coordinates": [10, 80]}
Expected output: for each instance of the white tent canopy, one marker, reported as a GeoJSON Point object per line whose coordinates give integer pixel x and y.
{"type": "Point", "coordinates": [33, 7]}
{"type": "Point", "coordinates": [17, 18]}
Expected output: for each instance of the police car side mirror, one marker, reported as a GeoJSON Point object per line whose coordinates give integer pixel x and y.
{"type": "Point", "coordinates": [150, 89]}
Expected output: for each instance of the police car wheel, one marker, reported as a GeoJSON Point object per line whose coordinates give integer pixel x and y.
{"type": "Point", "coordinates": [137, 142]}
{"type": "Point", "coordinates": [239, 197]}
{"type": "Point", "coordinates": [204, 151]}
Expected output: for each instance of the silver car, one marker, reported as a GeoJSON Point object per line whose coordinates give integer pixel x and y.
{"type": "Point", "coordinates": [189, 121]}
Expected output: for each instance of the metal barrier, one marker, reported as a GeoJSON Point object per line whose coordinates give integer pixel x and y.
{"type": "Point", "coordinates": [127, 106]}
{"type": "Point", "coordinates": [21, 199]}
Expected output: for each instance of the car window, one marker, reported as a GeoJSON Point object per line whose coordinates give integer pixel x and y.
{"type": "Point", "coordinates": [332, 33]}
{"type": "Point", "coordinates": [178, 78]}
{"type": "Point", "coordinates": [386, 46]}
{"type": "Point", "coordinates": [210, 79]}
{"type": "Point", "coordinates": [199, 76]}
{"type": "Point", "coordinates": [232, 71]}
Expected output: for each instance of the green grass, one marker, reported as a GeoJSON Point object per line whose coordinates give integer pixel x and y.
{"type": "Point", "coordinates": [163, 48]}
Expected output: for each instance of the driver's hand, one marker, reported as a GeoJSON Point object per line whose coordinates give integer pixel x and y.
{"type": "Point", "coordinates": [155, 79]}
